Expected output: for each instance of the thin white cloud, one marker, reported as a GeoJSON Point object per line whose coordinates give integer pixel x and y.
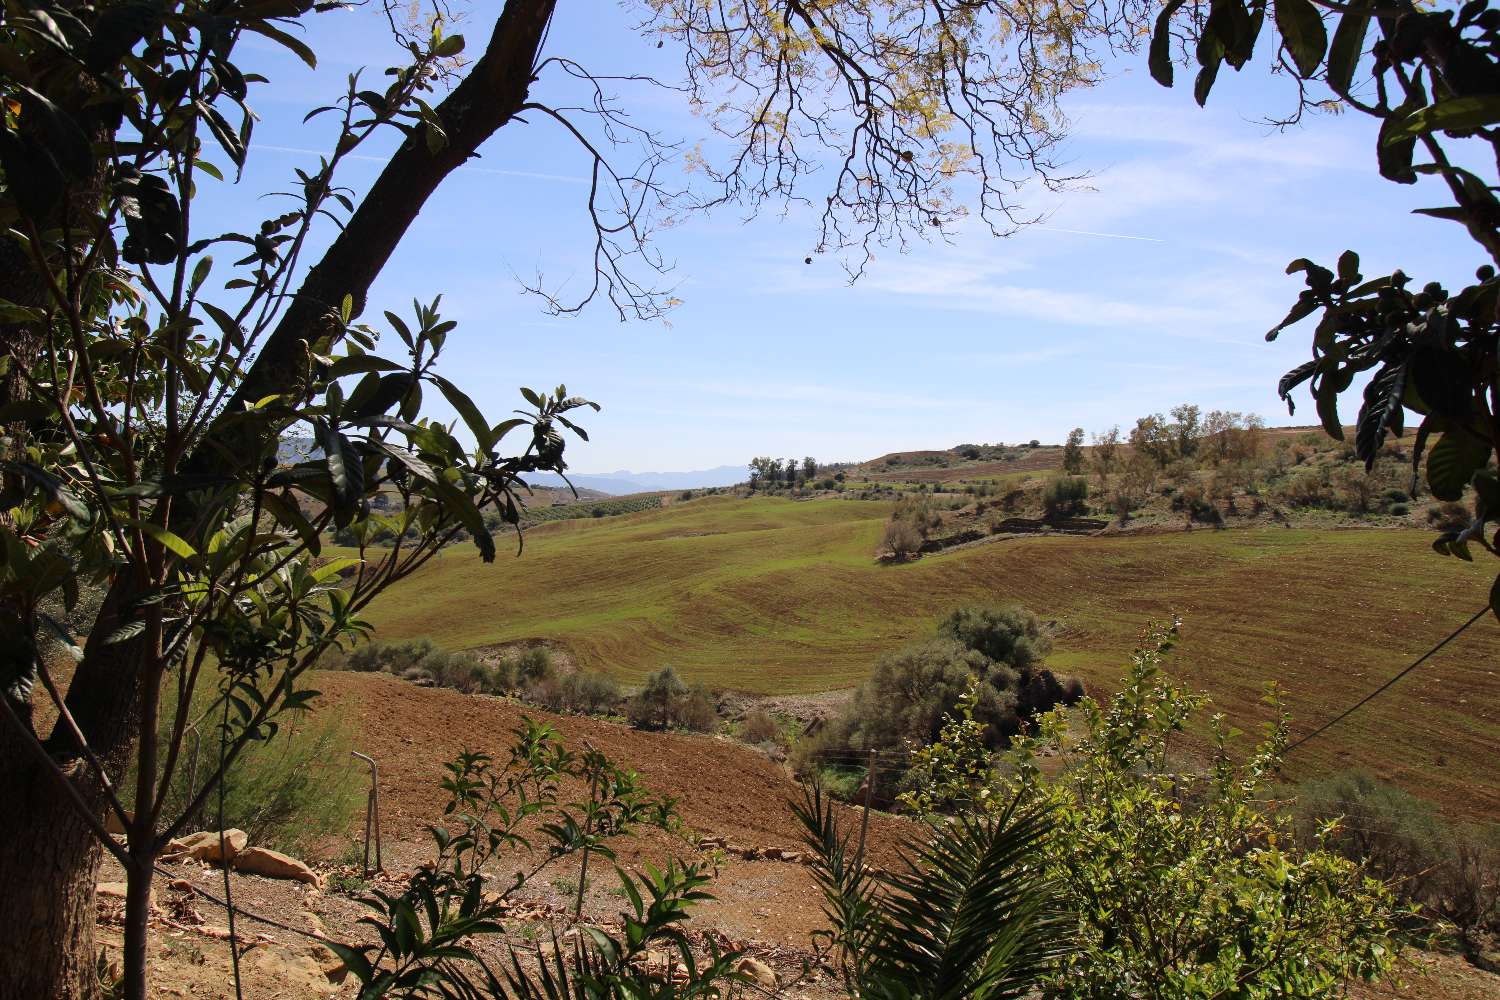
{"type": "Point", "coordinates": [1212, 139]}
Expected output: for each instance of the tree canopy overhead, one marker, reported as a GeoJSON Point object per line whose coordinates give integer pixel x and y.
{"type": "Point", "coordinates": [151, 365]}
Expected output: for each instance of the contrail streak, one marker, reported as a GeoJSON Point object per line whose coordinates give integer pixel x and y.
{"type": "Point", "coordinates": [1108, 236]}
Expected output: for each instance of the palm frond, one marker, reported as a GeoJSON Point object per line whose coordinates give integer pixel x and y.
{"type": "Point", "coordinates": [970, 915]}
{"type": "Point", "coordinates": [848, 890]}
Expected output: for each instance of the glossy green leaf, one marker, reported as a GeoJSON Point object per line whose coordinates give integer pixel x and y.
{"type": "Point", "coordinates": [472, 418]}
{"type": "Point", "coordinates": [1452, 462]}
{"type": "Point", "coordinates": [1456, 114]}
{"type": "Point", "coordinates": [1347, 48]}
{"type": "Point", "coordinates": [1303, 32]}
{"type": "Point", "coordinates": [167, 539]}
{"type": "Point", "coordinates": [1160, 60]}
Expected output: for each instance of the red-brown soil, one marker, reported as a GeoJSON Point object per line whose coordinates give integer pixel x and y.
{"type": "Point", "coordinates": [723, 789]}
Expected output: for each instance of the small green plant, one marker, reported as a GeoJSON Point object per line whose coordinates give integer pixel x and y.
{"type": "Point", "coordinates": [347, 883]}
{"type": "Point", "coordinates": [428, 929]}
{"type": "Point", "coordinates": [352, 853]}
{"type": "Point", "coordinates": [1188, 881]}
{"type": "Point", "coordinates": [839, 781]}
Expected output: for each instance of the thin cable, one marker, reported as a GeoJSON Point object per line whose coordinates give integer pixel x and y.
{"type": "Point", "coordinates": [1384, 687]}
{"type": "Point", "coordinates": [241, 910]}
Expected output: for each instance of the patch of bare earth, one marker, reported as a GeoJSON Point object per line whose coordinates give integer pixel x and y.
{"type": "Point", "coordinates": [724, 790]}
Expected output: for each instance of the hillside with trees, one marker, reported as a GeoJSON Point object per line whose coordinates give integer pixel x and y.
{"type": "Point", "coordinates": [171, 590]}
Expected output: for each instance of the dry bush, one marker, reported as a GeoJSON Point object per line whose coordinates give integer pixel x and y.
{"type": "Point", "coordinates": [1311, 488]}
{"type": "Point", "coordinates": [696, 712]}
{"type": "Point", "coordinates": [759, 727]}
{"type": "Point", "coordinates": [1448, 516]}
{"type": "Point", "coordinates": [545, 692]}
{"type": "Point", "coordinates": [902, 539]}
{"type": "Point", "coordinates": [1450, 870]}
{"type": "Point", "coordinates": [1355, 489]}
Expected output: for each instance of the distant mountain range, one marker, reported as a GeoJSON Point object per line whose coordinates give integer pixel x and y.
{"type": "Point", "coordinates": [295, 448]}
{"type": "Point", "coordinates": [625, 481]}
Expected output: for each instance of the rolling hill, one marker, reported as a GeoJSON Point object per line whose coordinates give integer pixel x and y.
{"type": "Point", "coordinates": [770, 595]}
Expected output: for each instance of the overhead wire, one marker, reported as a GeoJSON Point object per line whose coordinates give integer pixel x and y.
{"type": "Point", "coordinates": [1388, 684]}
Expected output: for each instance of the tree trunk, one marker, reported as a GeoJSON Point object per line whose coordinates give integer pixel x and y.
{"type": "Point", "coordinates": [49, 863]}
{"type": "Point", "coordinates": [49, 856]}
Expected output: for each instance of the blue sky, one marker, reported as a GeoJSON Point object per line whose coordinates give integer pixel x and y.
{"type": "Point", "coordinates": [1151, 284]}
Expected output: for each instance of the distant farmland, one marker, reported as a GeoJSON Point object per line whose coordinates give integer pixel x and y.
{"type": "Point", "coordinates": [772, 595]}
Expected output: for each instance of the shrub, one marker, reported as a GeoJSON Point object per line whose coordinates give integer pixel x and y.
{"type": "Point", "coordinates": [641, 714]}
{"type": "Point", "coordinates": [500, 677]}
{"type": "Point", "coordinates": [1184, 884]}
{"type": "Point", "coordinates": [902, 539]}
{"type": "Point", "coordinates": [534, 664]}
{"type": "Point", "coordinates": [1451, 871]}
{"type": "Point", "coordinates": [759, 727]}
{"type": "Point", "coordinates": [657, 698]}
{"type": "Point", "coordinates": [1356, 490]}
{"type": "Point", "coordinates": [587, 691]}
{"type": "Point", "coordinates": [1307, 489]}
{"type": "Point", "coordinates": [460, 671]}
{"type": "Point", "coordinates": [1064, 497]}
{"type": "Point", "coordinates": [391, 657]}
{"type": "Point", "coordinates": [1448, 516]}
{"type": "Point", "coordinates": [841, 781]}
{"type": "Point", "coordinates": [422, 661]}
{"type": "Point", "coordinates": [1400, 510]}
{"type": "Point", "coordinates": [1073, 691]}
{"type": "Point", "coordinates": [290, 793]}
{"type": "Point", "coordinates": [914, 689]}
{"type": "Point", "coordinates": [1009, 635]}
{"type": "Point", "coordinates": [545, 692]}
{"type": "Point", "coordinates": [696, 712]}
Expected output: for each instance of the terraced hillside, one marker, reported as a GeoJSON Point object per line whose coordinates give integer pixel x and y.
{"type": "Point", "coordinates": [773, 596]}
{"type": "Point", "coordinates": [952, 465]}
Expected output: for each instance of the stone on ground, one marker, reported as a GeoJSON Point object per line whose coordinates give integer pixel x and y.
{"type": "Point", "coordinates": [273, 864]}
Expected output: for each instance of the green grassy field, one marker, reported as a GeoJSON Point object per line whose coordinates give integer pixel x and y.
{"type": "Point", "coordinates": [773, 595]}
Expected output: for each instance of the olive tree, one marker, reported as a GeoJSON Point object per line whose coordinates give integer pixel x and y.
{"type": "Point", "coordinates": [151, 532]}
